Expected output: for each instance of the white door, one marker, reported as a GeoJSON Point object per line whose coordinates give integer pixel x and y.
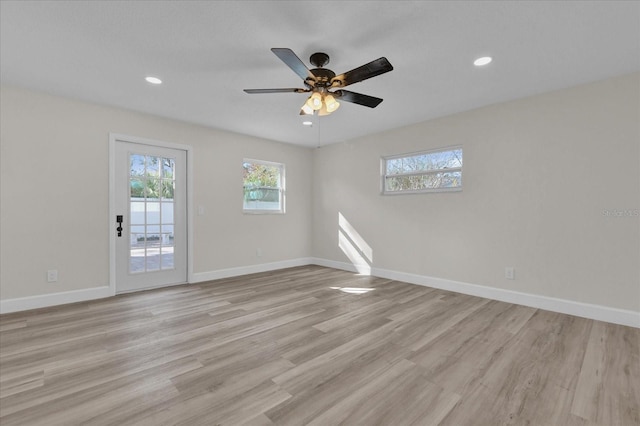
{"type": "Point", "coordinates": [151, 210]}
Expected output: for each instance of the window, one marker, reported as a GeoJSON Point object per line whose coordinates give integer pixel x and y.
{"type": "Point", "coordinates": [429, 171]}
{"type": "Point", "coordinates": [263, 187]}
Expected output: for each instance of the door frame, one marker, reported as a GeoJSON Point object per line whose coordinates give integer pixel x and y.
{"type": "Point", "coordinates": [114, 138]}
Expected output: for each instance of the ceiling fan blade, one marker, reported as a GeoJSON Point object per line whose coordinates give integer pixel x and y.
{"type": "Point", "coordinates": [291, 59]}
{"type": "Point", "coordinates": [358, 98]}
{"type": "Point", "coordinates": [292, 90]}
{"type": "Point", "coordinates": [372, 69]}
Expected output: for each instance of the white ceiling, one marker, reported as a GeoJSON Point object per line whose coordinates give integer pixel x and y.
{"type": "Point", "coordinates": [206, 52]}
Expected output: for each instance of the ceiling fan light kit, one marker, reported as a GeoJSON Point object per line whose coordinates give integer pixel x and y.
{"type": "Point", "coordinates": [331, 103]}
{"type": "Point", "coordinates": [324, 103]}
{"type": "Point", "coordinates": [318, 81]}
{"type": "Point", "coordinates": [315, 101]}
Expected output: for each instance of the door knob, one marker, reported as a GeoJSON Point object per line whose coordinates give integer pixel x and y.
{"type": "Point", "coordinates": [119, 228]}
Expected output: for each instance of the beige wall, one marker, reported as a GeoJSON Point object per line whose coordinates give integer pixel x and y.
{"type": "Point", "coordinates": [54, 193]}
{"type": "Point", "coordinates": [538, 175]}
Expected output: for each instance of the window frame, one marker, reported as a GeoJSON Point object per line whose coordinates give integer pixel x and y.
{"type": "Point", "coordinates": [384, 175]}
{"type": "Point", "coordinates": [281, 188]}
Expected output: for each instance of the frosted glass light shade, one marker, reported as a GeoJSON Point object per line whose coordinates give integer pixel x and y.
{"type": "Point", "coordinates": [306, 109]}
{"type": "Point", "coordinates": [331, 103]}
{"type": "Point", "coordinates": [315, 101]}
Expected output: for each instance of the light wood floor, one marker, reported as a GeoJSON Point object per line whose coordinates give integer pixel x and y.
{"type": "Point", "coordinates": [292, 348]}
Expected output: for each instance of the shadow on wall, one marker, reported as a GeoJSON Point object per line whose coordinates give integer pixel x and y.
{"type": "Point", "coordinates": [352, 244]}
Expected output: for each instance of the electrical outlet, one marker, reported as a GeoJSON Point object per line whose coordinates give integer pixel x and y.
{"type": "Point", "coordinates": [52, 275]}
{"type": "Point", "coordinates": [509, 273]}
{"type": "Point", "coordinates": [259, 252]}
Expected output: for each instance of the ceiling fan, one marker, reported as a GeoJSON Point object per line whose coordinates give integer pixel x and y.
{"type": "Point", "coordinates": [320, 82]}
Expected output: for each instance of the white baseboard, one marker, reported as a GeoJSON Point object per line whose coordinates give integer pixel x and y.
{"type": "Point", "coordinates": [53, 299]}
{"type": "Point", "coordinates": [334, 264]}
{"type": "Point", "coordinates": [199, 277]}
{"type": "Point", "coordinates": [62, 298]}
{"type": "Point", "coordinates": [579, 309]}
{"type": "Point", "coordinates": [585, 310]}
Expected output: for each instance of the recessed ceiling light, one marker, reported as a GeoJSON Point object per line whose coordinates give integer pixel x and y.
{"type": "Point", "coordinates": [153, 80]}
{"type": "Point", "coordinates": [482, 61]}
{"type": "Point", "coordinates": [307, 123]}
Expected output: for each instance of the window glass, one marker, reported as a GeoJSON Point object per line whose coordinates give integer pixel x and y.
{"type": "Point", "coordinates": [429, 171]}
{"type": "Point", "coordinates": [263, 185]}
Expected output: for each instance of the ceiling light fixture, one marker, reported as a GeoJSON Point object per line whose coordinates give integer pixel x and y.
{"type": "Point", "coordinates": [307, 123]}
{"type": "Point", "coordinates": [306, 109]}
{"type": "Point", "coordinates": [315, 101]}
{"type": "Point", "coordinates": [319, 81]}
{"type": "Point", "coordinates": [324, 103]}
{"type": "Point", "coordinates": [331, 103]}
{"type": "Point", "coordinates": [153, 80]}
{"type": "Point", "coordinates": [480, 62]}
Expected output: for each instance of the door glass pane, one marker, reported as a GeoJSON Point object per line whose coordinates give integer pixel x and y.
{"type": "Point", "coordinates": [137, 165]}
{"type": "Point", "coordinates": [137, 249]}
{"type": "Point", "coordinates": [153, 166]}
{"type": "Point", "coordinates": [151, 183]}
{"type": "Point", "coordinates": [137, 188]}
{"type": "Point", "coordinates": [167, 189]}
{"type": "Point", "coordinates": [168, 166]}
{"type": "Point", "coordinates": [167, 213]}
{"type": "Point", "coordinates": [153, 255]}
{"type": "Point", "coordinates": [137, 213]}
{"type": "Point", "coordinates": [153, 213]}
{"type": "Point", "coordinates": [137, 229]}
{"type": "Point", "coordinates": [167, 250]}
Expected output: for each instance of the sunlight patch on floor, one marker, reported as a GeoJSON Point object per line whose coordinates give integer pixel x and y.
{"type": "Point", "coordinates": [353, 290]}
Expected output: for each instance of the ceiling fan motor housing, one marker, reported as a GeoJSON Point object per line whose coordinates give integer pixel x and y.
{"type": "Point", "coordinates": [323, 76]}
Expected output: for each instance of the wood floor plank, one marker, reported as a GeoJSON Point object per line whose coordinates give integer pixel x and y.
{"type": "Point", "coordinates": [21, 384]}
{"type": "Point", "coordinates": [607, 390]}
{"type": "Point", "coordinates": [300, 346]}
{"type": "Point", "coordinates": [356, 315]}
{"type": "Point", "coordinates": [80, 404]}
{"type": "Point", "coordinates": [312, 401]}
